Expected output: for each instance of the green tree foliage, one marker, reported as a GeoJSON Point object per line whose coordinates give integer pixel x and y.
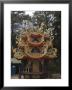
{"type": "Point", "coordinates": [17, 17]}
{"type": "Point", "coordinates": [52, 20]}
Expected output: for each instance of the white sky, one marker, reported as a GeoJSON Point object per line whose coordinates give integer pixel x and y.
{"type": "Point", "coordinates": [29, 12]}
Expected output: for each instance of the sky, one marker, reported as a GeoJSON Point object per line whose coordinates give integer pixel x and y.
{"type": "Point", "coordinates": [29, 12]}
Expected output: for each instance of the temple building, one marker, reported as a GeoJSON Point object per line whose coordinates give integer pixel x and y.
{"type": "Point", "coordinates": [33, 48]}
